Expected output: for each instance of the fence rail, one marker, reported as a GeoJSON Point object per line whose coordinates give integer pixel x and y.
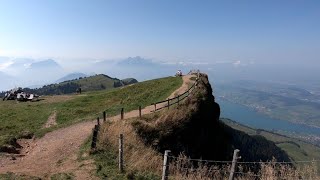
{"type": "Point", "coordinates": [232, 169]}
{"type": "Point", "coordinates": [168, 159]}
{"type": "Point", "coordinates": [176, 100]}
{"type": "Point", "coordinates": [233, 166]}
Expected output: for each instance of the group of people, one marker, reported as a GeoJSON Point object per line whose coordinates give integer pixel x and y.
{"type": "Point", "coordinates": [19, 94]}
{"type": "Point", "coordinates": [179, 73]}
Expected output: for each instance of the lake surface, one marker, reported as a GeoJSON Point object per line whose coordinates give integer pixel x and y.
{"type": "Point", "coordinates": [246, 116]}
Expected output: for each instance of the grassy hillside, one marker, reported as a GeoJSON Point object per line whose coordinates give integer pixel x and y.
{"type": "Point", "coordinates": [192, 129]}
{"type": "Point", "coordinates": [296, 149]}
{"type": "Point", "coordinates": [19, 119]}
{"type": "Point", "coordinates": [92, 83]}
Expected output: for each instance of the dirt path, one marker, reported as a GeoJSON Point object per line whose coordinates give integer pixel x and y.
{"type": "Point", "coordinates": [51, 120]}
{"type": "Point", "coordinates": [57, 151]}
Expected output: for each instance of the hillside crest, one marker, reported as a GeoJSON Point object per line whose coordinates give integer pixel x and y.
{"type": "Point", "coordinates": [91, 83]}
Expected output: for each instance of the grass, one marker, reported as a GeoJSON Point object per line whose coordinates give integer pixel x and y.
{"type": "Point", "coordinates": [22, 119]}
{"type": "Point", "coordinates": [95, 82]}
{"type": "Point", "coordinates": [297, 150]}
{"type": "Point", "coordinates": [92, 83]}
{"type": "Point", "coordinates": [183, 168]}
{"type": "Point", "coordinates": [144, 159]}
{"type": "Point", "coordinates": [106, 160]}
{"type": "Point", "coordinates": [135, 156]}
{"type": "Point", "coordinates": [129, 98]}
{"type": "Point", "coordinates": [107, 166]}
{"type": "Point", "coordinates": [62, 176]}
{"type": "Point", "coordinates": [10, 176]}
{"type": "Point", "coordinates": [294, 151]}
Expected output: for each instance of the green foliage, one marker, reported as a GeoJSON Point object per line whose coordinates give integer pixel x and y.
{"type": "Point", "coordinates": [92, 83]}
{"type": "Point", "coordinates": [194, 129]}
{"type": "Point", "coordinates": [20, 119]}
{"type": "Point", "coordinates": [295, 148]}
{"type": "Point", "coordinates": [107, 165]}
{"type": "Point", "coordinates": [129, 81]}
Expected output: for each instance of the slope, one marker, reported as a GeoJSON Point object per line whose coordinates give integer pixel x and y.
{"type": "Point", "coordinates": [92, 83]}
{"type": "Point", "coordinates": [56, 152]}
{"type": "Point", "coordinates": [191, 128]}
{"type": "Point", "coordinates": [71, 77]}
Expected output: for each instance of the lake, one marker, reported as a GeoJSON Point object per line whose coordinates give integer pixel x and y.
{"type": "Point", "coordinates": [249, 117]}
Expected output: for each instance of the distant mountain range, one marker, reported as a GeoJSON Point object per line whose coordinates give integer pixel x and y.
{"type": "Point", "coordinates": [45, 65]}
{"type": "Point", "coordinates": [29, 72]}
{"type": "Point", "coordinates": [136, 61]}
{"type": "Point", "coordinates": [7, 81]}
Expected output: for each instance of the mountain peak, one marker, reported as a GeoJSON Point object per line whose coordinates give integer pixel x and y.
{"type": "Point", "coordinates": [49, 63]}
{"type": "Point", "coordinates": [71, 76]}
{"type": "Point", "coordinates": [136, 61]}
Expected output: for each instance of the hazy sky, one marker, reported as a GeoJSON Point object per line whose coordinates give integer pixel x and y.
{"type": "Point", "coordinates": [262, 31]}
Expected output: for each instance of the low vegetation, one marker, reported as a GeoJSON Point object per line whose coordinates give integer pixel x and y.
{"type": "Point", "coordinates": [191, 130]}
{"type": "Point", "coordinates": [25, 119]}
{"type": "Point", "coordinates": [183, 168]}
{"type": "Point", "coordinates": [297, 150]}
{"type": "Point", "coordinates": [10, 176]}
{"type": "Point", "coordinates": [92, 83]}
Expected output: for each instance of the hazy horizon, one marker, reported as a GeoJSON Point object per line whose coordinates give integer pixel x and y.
{"type": "Point", "coordinates": [31, 72]}
{"type": "Point", "coordinates": [270, 40]}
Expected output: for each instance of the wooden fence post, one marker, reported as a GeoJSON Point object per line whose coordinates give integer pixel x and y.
{"type": "Point", "coordinates": [94, 137]}
{"type": "Point", "coordinates": [234, 164]}
{"type": "Point", "coordinates": [98, 121]}
{"type": "Point", "coordinates": [122, 113]}
{"type": "Point", "coordinates": [140, 112]}
{"type": "Point", "coordinates": [121, 153]}
{"type": "Point", "coordinates": [104, 116]}
{"type": "Point", "coordinates": [165, 169]}
{"type": "Point", "coordinates": [168, 103]}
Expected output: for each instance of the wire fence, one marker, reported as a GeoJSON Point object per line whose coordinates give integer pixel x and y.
{"type": "Point", "coordinates": [206, 169]}
{"type": "Point", "coordinates": [184, 168]}
{"type": "Point", "coordinates": [251, 162]}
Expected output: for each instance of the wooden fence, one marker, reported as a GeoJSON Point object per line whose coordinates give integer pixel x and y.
{"type": "Point", "coordinates": [167, 158]}
{"type": "Point", "coordinates": [167, 103]}
{"type": "Point", "coordinates": [176, 100]}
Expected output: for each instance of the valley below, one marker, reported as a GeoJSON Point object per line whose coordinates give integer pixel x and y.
{"type": "Point", "coordinates": [278, 108]}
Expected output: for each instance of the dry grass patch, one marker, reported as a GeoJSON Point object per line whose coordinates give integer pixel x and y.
{"type": "Point", "coordinates": [182, 168]}
{"type": "Point", "coordinates": [137, 156]}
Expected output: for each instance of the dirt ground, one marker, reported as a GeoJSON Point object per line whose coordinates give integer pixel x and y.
{"type": "Point", "coordinates": [57, 151]}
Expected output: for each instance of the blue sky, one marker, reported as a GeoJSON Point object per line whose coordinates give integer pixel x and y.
{"type": "Point", "coordinates": [261, 31]}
